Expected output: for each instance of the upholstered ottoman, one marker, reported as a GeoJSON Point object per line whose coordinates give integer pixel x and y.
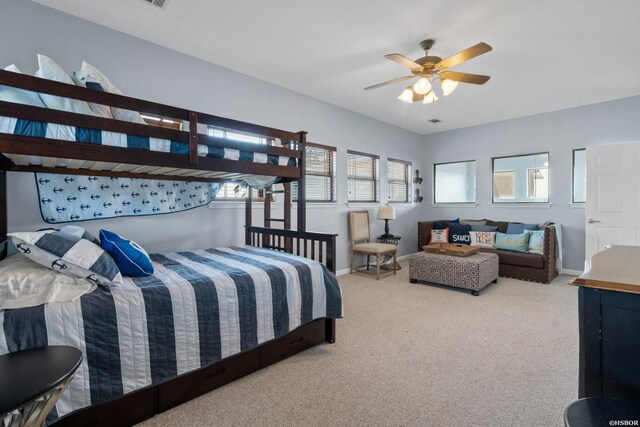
{"type": "Point", "coordinates": [472, 272]}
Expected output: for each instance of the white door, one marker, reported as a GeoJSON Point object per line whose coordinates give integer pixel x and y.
{"type": "Point", "coordinates": [613, 196]}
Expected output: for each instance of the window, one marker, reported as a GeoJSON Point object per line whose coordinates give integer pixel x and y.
{"type": "Point", "coordinates": [320, 178]}
{"type": "Point", "coordinates": [161, 122]}
{"type": "Point", "coordinates": [454, 182]}
{"type": "Point", "coordinates": [579, 176]}
{"type": "Point", "coordinates": [521, 179]}
{"type": "Point", "coordinates": [363, 177]}
{"type": "Point", "coordinates": [233, 136]}
{"type": "Point", "coordinates": [232, 190]}
{"type": "Point", "coordinates": [399, 180]}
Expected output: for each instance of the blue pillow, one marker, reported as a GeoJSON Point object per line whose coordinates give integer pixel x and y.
{"type": "Point", "coordinates": [512, 242]}
{"type": "Point", "coordinates": [458, 233]}
{"type": "Point", "coordinates": [488, 228]}
{"type": "Point", "coordinates": [131, 259]}
{"type": "Point", "coordinates": [516, 228]}
{"type": "Point", "coordinates": [536, 242]}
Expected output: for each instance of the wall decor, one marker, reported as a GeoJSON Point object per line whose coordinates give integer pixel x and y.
{"type": "Point", "coordinates": [70, 198]}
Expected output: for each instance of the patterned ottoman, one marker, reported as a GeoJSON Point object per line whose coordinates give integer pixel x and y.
{"type": "Point", "coordinates": [473, 272]}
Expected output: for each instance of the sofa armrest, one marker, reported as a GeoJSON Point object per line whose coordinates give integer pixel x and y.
{"type": "Point", "coordinates": [550, 249]}
{"type": "Point", "coordinates": [424, 233]}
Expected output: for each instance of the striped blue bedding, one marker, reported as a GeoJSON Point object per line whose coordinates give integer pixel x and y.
{"type": "Point", "coordinates": [197, 308]}
{"type": "Point", "coordinates": [38, 129]}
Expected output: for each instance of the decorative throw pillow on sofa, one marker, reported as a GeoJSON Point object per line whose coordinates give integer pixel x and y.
{"type": "Point", "coordinates": [536, 242]}
{"type": "Point", "coordinates": [458, 233]}
{"type": "Point", "coordinates": [68, 254]}
{"type": "Point", "coordinates": [512, 242]}
{"type": "Point", "coordinates": [473, 222]}
{"type": "Point", "coordinates": [517, 228]}
{"type": "Point", "coordinates": [484, 227]}
{"type": "Point", "coordinates": [132, 260]}
{"type": "Point", "coordinates": [439, 236]}
{"type": "Point", "coordinates": [483, 239]}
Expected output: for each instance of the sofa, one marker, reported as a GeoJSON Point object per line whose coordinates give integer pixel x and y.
{"type": "Point", "coordinates": [515, 265]}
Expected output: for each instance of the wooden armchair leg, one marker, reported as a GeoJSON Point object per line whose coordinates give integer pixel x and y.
{"type": "Point", "coordinates": [378, 267]}
{"type": "Point", "coordinates": [368, 261]}
{"type": "Point", "coordinates": [352, 259]}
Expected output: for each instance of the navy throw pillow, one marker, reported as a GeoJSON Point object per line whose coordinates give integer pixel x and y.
{"type": "Point", "coordinates": [458, 233]}
{"type": "Point", "coordinates": [131, 259]}
{"type": "Point", "coordinates": [516, 228]}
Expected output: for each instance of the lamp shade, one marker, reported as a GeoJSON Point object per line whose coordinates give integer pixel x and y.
{"type": "Point", "coordinates": [386, 212]}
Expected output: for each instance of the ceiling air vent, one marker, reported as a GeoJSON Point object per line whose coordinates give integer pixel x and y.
{"type": "Point", "coordinates": [434, 120]}
{"type": "Point", "coordinates": [159, 3]}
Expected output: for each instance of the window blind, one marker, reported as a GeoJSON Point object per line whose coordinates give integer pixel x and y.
{"type": "Point", "coordinates": [320, 178]}
{"type": "Point", "coordinates": [398, 179]}
{"type": "Point", "coordinates": [363, 177]}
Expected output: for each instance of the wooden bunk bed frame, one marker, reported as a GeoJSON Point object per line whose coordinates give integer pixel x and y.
{"type": "Point", "coordinates": [147, 402]}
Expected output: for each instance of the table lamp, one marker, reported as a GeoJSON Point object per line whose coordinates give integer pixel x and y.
{"type": "Point", "coordinates": [386, 212]}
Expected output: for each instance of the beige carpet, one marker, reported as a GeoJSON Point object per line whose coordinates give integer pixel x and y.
{"type": "Point", "coordinates": [417, 355]}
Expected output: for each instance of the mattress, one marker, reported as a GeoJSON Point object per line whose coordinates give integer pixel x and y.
{"type": "Point", "coordinates": [14, 126]}
{"type": "Point", "coordinates": [198, 308]}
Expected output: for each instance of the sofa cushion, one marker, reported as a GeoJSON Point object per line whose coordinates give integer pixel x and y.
{"type": "Point", "coordinates": [512, 242]}
{"type": "Point", "coordinates": [519, 228]}
{"type": "Point", "coordinates": [517, 258]}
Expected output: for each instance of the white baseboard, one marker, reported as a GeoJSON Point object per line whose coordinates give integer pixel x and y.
{"type": "Point", "coordinates": [348, 270]}
{"type": "Point", "coordinates": [571, 272]}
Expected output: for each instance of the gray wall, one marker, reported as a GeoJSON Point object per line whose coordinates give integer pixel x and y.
{"type": "Point", "coordinates": [558, 133]}
{"type": "Point", "coordinates": [147, 71]}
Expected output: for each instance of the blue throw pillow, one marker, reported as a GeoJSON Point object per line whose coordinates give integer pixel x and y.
{"type": "Point", "coordinates": [512, 242]}
{"type": "Point", "coordinates": [458, 233]}
{"type": "Point", "coordinates": [130, 258]}
{"type": "Point", "coordinates": [517, 228]}
{"type": "Point", "coordinates": [488, 228]}
{"type": "Point", "coordinates": [536, 242]}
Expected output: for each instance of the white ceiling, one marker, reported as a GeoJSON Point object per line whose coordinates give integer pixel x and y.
{"type": "Point", "coordinates": [547, 54]}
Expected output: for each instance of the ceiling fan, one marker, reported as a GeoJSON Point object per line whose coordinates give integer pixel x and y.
{"type": "Point", "coordinates": [428, 69]}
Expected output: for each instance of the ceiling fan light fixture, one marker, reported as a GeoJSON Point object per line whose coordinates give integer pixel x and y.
{"type": "Point", "coordinates": [422, 86]}
{"type": "Point", "coordinates": [407, 95]}
{"type": "Point", "coordinates": [430, 98]}
{"type": "Point", "coordinates": [448, 86]}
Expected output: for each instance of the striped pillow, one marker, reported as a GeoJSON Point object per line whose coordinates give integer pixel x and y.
{"type": "Point", "coordinates": [68, 254]}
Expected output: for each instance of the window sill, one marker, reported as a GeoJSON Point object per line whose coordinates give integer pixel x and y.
{"type": "Point", "coordinates": [236, 204]}
{"type": "Point", "coordinates": [454, 205]}
{"type": "Point", "coordinates": [521, 205]}
{"type": "Point", "coordinates": [318, 205]}
{"type": "Point", "coordinates": [577, 205]}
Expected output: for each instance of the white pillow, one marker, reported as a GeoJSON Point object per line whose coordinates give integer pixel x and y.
{"type": "Point", "coordinates": [68, 254]}
{"type": "Point", "coordinates": [52, 71]}
{"type": "Point", "coordinates": [24, 283]}
{"type": "Point", "coordinates": [19, 96]}
{"type": "Point", "coordinates": [90, 74]}
{"type": "Point", "coordinates": [483, 239]}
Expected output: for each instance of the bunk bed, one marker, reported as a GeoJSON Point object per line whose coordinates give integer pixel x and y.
{"type": "Point", "coordinates": [83, 145]}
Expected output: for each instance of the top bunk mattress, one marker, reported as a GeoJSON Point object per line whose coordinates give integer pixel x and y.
{"type": "Point", "coordinates": [32, 128]}
{"type": "Point", "coordinates": [197, 308]}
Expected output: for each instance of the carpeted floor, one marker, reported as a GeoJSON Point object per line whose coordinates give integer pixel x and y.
{"type": "Point", "coordinates": [417, 355]}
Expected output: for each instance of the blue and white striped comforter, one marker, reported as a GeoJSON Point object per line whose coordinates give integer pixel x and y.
{"type": "Point", "coordinates": [197, 308]}
{"type": "Point", "coordinates": [38, 129]}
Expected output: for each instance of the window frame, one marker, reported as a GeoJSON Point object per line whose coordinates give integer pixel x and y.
{"type": "Point", "coordinates": [573, 176]}
{"type": "Point", "coordinates": [435, 168]}
{"type": "Point", "coordinates": [375, 180]}
{"type": "Point", "coordinates": [408, 169]}
{"type": "Point", "coordinates": [529, 196]}
{"type": "Point", "coordinates": [333, 177]}
{"type": "Point", "coordinates": [529, 202]}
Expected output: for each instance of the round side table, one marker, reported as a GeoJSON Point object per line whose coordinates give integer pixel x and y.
{"type": "Point", "coordinates": [602, 411]}
{"type": "Point", "coordinates": [32, 382]}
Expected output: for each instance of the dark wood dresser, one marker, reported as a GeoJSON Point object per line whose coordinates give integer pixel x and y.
{"type": "Point", "coordinates": [609, 310]}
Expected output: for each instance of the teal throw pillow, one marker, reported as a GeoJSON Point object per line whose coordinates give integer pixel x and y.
{"type": "Point", "coordinates": [512, 242]}
{"type": "Point", "coordinates": [536, 242]}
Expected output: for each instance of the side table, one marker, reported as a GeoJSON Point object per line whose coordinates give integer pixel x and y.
{"type": "Point", "coordinates": [393, 240]}
{"type": "Point", "coordinates": [32, 382]}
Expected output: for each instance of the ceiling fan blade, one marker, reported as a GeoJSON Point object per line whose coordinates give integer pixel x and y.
{"type": "Point", "coordinates": [463, 56]}
{"type": "Point", "coordinates": [475, 79]}
{"type": "Point", "coordinates": [403, 60]}
{"type": "Point", "coordinates": [399, 79]}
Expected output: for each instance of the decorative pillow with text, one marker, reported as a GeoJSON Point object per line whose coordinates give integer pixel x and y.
{"type": "Point", "coordinates": [439, 236]}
